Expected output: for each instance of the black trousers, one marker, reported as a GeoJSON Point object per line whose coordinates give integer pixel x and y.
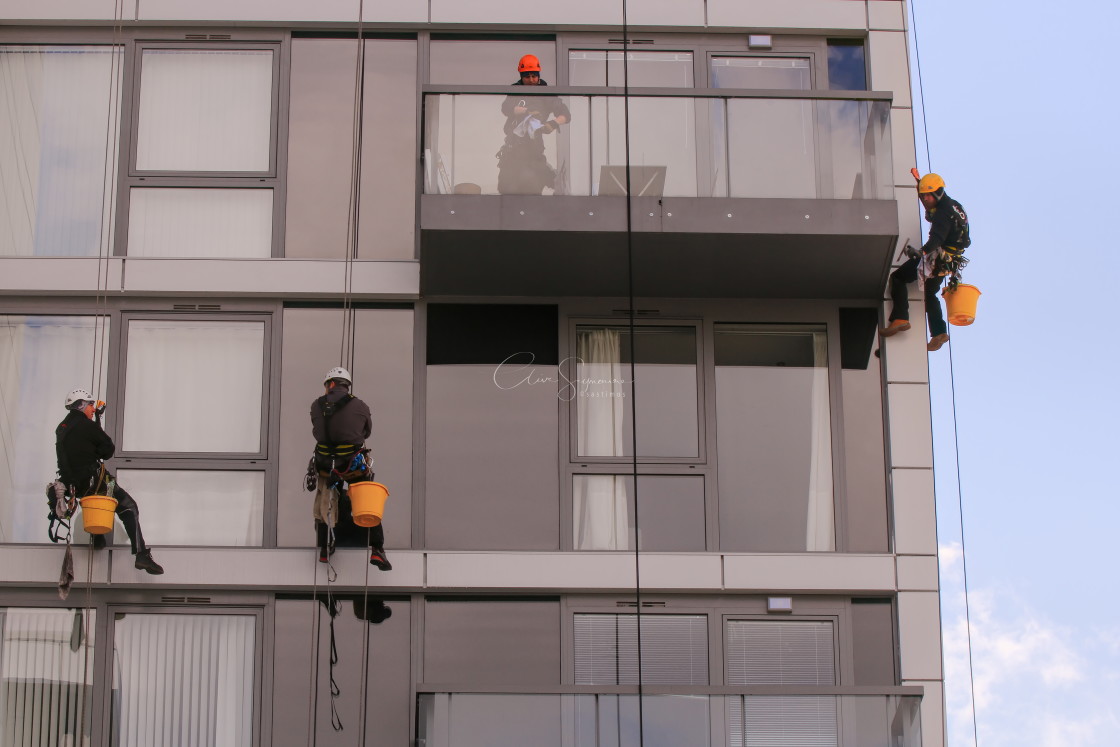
{"type": "Point", "coordinates": [524, 170]}
{"type": "Point", "coordinates": [129, 514]}
{"type": "Point", "coordinates": [907, 273]}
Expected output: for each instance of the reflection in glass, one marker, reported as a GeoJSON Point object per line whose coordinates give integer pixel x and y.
{"type": "Point", "coordinates": [664, 373]}
{"type": "Point", "coordinates": [183, 679]}
{"type": "Point", "coordinates": [47, 658]}
{"type": "Point", "coordinates": [196, 364]}
{"type": "Point", "coordinates": [41, 359]}
{"type": "Point", "coordinates": [205, 110]}
{"type": "Point", "coordinates": [790, 73]}
{"type": "Point", "coordinates": [200, 222]}
{"type": "Point", "coordinates": [594, 67]}
{"type": "Point", "coordinates": [57, 181]}
{"type": "Point", "coordinates": [847, 67]}
{"type": "Point", "coordinates": [197, 507]}
{"type": "Point", "coordinates": [671, 512]}
{"type": "Point", "coordinates": [774, 439]}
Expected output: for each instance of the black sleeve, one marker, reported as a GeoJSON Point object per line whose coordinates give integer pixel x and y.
{"type": "Point", "coordinates": [939, 230]}
{"type": "Point", "coordinates": [559, 108]}
{"type": "Point", "coordinates": [102, 444]}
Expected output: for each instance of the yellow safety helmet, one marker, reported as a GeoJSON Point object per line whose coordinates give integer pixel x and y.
{"type": "Point", "coordinates": [529, 64]}
{"type": "Point", "coordinates": [930, 183]}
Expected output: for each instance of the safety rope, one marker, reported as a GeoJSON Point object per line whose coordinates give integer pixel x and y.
{"type": "Point", "coordinates": [632, 328]}
{"type": "Point", "coordinates": [953, 395]}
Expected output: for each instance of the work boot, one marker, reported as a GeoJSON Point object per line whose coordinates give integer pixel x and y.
{"type": "Point", "coordinates": [378, 558]}
{"type": "Point", "coordinates": [145, 562]}
{"type": "Point", "coordinates": [894, 327]}
{"type": "Point", "coordinates": [99, 541]}
{"type": "Point", "coordinates": [937, 341]}
{"type": "Point", "coordinates": [325, 553]}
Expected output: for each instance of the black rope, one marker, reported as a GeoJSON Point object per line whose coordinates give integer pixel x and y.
{"type": "Point", "coordinates": [953, 393]}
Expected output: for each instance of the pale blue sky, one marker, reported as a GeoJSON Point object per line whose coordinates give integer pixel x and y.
{"type": "Point", "coordinates": [1020, 105]}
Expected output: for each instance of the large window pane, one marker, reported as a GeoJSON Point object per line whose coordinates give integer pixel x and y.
{"type": "Point", "coordinates": [195, 507]}
{"type": "Point", "coordinates": [594, 67]}
{"type": "Point", "coordinates": [774, 440]}
{"type": "Point", "coordinates": [670, 513]}
{"type": "Point", "coordinates": [194, 386]}
{"type": "Point", "coordinates": [761, 72]}
{"type": "Point", "coordinates": [58, 146]}
{"type": "Point", "coordinates": [674, 649]}
{"type": "Point", "coordinates": [205, 110]}
{"type": "Point", "coordinates": [664, 385]}
{"type": "Point", "coordinates": [47, 665]}
{"type": "Point", "coordinates": [41, 359]}
{"type": "Point", "coordinates": [200, 222]}
{"type": "Point", "coordinates": [184, 680]}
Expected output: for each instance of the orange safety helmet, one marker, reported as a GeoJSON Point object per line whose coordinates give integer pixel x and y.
{"type": "Point", "coordinates": [529, 64]}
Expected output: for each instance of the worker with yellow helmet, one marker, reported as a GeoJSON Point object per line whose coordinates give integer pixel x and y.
{"type": "Point", "coordinates": [522, 165]}
{"type": "Point", "coordinates": [942, 255]}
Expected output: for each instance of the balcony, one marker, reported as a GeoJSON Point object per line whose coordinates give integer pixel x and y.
{"type": "Point", "coordinates": [795, 716]}
{"type": "Point", "coordinates": [734, 194]}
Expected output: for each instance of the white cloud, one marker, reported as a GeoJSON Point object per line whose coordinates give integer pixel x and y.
{"type": "Point", "coordinates": [1036, 682]}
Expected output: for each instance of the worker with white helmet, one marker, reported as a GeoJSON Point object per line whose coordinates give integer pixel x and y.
{"type": "Point", "coordinates": [81, 446]}
{"type": "Point", "coordinates": [341, 423]}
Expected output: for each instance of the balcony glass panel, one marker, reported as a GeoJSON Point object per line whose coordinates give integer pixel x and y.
{"type": "Point", "coordinates": [596, 719]}
{"type": "Point", "coordinates": [680, 146]}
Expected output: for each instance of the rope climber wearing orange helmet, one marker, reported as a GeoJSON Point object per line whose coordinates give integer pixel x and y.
{"type": "Point", "coordinates": [942, 255]}
{"type": "Point", "coordinates": [522, 166]}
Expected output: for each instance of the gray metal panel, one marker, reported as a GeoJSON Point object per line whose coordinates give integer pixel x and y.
{"type": "Point", "coordinates": [385, 686]}
{"type": "Point", "coordinates": [382, 373]}
{"type": "Point", "coordinates": [492, 476]}
{"type": "Point", "coordinates": [865, 489]}
{"type": "Point", "coordinates": [506, 642]}
{"type": "Point", "coordinates": [873, 642]}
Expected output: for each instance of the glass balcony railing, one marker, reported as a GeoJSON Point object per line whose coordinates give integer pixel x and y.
{"type": "Point", "coordinates": [821, 145]}
{"type": "Point", "coordinates": [613, 719]}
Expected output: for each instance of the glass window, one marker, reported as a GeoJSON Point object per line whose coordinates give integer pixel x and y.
{"type": "Point", "coordinates": [205, 110]}
{"type": "Point", "coordinates": [198, 507]}
{"type": "Point", "coordinates": [59, 155]}
{"type": "Point", "coordinates": [183, 679]}
{"type": "Point", "coordinates": [166, 222]}
{"type": "Point", "coordinates": [670, 516]}
{"type": "Point", "coordinates": [770, 652]}
{"type": "Point", "coordinates": [663, 381]}
{"type": "Point", "coordinates": [774, 439]}
{"type": "Point", "coordinates": [595, 67]}
{"type": "Point", "coordinates": [41, 359]}
{"type": "Point", "coordinates": [847, 68]}
{"type": "Point", "coordinates": [46, 689]}
{"type": "Point", "coordinates": [674, 649]}
{"type": "Point", "coordinates": [486, 62]}
{"type": "Point", "coordinates": [761, 72]}
{"type": "Point", "coordinates": [194, 386]}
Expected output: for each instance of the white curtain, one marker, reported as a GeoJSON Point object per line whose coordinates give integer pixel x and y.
{"type": "Point", "coordinates": [819, 533]}
{"type": "Point", "coordinates": [599, 501]}
{"type": "Point", "coordinates": [55, 176]}
{"type": "Point", "coordinates": [47, 669]}
{"type": "Point", "coordinates": [205, 110]}
{"type": "Point", "coordinates": [194, 386]}
{"type": "Point", "coordinates": [183, 680]}
{"type": "Point", "coordinates": [200, 222]}
{"type": "Point", "coordinates": [199, 507]}
{"type": "Point", "coordinates": [41, 359]}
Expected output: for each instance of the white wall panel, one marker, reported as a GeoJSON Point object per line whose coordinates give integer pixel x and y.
{"type": "Point", "coordinates": [910, 429]}
{"type": "Point", "coordinates": [886, 14]}
{"type": "Point", "coordinates": [902, 150]}
{"type": "Point", "coordinates": [528, 571]}
{"type": "Point", "coordinates": [57, 10]}
{"type": "Point", "coordinates": [270, 277]}
{"type": "Point", "coordinates": [817, 571]}
{"type": "Point", "coordinates": [582, 12]}
{"type": "Point", "coordinates": [346, 11]}
{"type": "Point", "coordinates": [917, 572]}
{"type": "Point", "coordinates": [933, 712]}
{"type": "Point", "coordinates": [905, 353]}
{"type": "Point", "coordinates": [919, 635]}
{"type": "Point", "coordinates": [915, 522]}
{"type": "Point", "coordinates": [805, 14]}
{"type": "Point", "coordinates": [56, 275]}
{"type": "Point", "coordinates": [890, 70]}
{"type": "Point", "coordinates": [661, 13]}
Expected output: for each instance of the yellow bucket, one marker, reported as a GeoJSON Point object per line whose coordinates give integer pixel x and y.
{"type": "Point", "coordinates": [961, 304]}
{"type": "Point", "coordinates": [367, 502]}
{"type": "Point", "coordinates": [97, 513]}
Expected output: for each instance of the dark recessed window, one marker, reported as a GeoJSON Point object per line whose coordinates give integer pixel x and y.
{"type": "Point", "coordinates": [847, 65]}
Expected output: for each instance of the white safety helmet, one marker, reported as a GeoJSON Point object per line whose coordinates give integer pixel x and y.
{"type": "Point", "coordinates": [76, 396]}
{"type": "Point", "coordinates": [338, 373]}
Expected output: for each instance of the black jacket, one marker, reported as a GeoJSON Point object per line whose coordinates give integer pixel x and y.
{"type": "Point", "coordinates": [351, 424]}
{"type": "Point", "coordinates": [948, 226]}
{"type": "Point", "coordinates": [80, 444]}
{"type": "Point", "coordinates": [548, 107]}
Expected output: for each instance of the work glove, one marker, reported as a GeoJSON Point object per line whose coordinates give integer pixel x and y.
{"type": "Point", "coordinates": [99, 408]}
{"type": "Point", "coordinates": [911, 252]}
{"type": "Point", "coordinates": [550, 126]}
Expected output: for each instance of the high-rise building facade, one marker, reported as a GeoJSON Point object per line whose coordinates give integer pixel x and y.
{"type": "Point", "coordinates": [652, 478]}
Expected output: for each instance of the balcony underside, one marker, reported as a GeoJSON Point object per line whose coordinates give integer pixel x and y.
{"type": "Point", "coordinates": [681, 247]}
